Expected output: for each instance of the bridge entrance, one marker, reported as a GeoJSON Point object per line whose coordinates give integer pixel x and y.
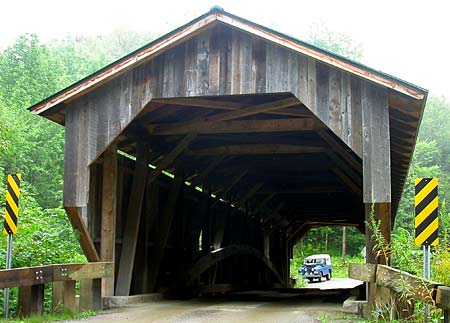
{"type": "Point", "coordinates": [198, 161]}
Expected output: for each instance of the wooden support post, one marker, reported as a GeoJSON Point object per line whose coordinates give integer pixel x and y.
{"type": "Point", "coordinates": [443, 301]}
{"type": "Point", "coordinates": [219, 228]}
{"type": "Point", "coordinates": [63, 296]}
{"type": "Point", "coordinates": [130, 235]}
{"type": "Point", "coordinates": [267, 244]}
{"type": "Point", "coordinates": [108, 226]}
{"type": "Point", "coordinates": [166, 223]}
{"type": "Point", "coordinates": [91, 294]}
{"type": "Point", "coordinates": [381, 212]}
{"type": "Point", "coordinates": [31, 300]}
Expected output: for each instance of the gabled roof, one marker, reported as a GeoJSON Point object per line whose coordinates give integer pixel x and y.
{"type": "Point", "coordinates": [217, 15]}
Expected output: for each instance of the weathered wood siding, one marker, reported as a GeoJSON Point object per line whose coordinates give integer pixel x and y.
{"type": "Point", "coordinates": [219, 61]}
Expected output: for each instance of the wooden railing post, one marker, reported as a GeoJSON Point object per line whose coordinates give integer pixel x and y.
{"type": "Point", "coordinates": [91, 294]}
{"type": "Point", "coordinates": [31, 300]}
{"type": "Point", "coordinates": [63, 296]}
{"type": "Point", "coordinates": [443, 301]}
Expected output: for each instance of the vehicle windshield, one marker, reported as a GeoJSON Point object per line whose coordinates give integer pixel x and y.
{"type": "Point", "coordinates": [314, 261]}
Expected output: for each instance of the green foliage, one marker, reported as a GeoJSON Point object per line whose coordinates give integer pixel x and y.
{"type": "Point", "coordinates": [338, 43]}
{"type": "Point", "coordinates": [65, 315]}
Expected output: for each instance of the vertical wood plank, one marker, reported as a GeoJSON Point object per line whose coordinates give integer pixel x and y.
{"type": "Point", "coordinates": [235, 62]}
{"type": "Point", "coordinates": [312, 86]}
{"type": "Point", "coordinates": [91, 295]}
{"type": "Point", "coordinates": [214, 61]}
{"type": "Point", "coordinates": [346, 109]}
{"type": "Point", "coordinates": [276, 69]}
{"type": "Point", "coordinates": [31, 300]}
{"type": "Point", "coordinates": [356, 113]}
{"type": "Point", "coordinates": [203, 63]}
{"type": "Point", "coordinates": [303, 80]}
{"type": "Point", "coordinates": [247, 84]}
{"type": "Point", "coordinates": [63, 296]}
{"type": "Point", "coordinates": [190, 67]}
{"type": "Point", "coordinates": [225, 61]}
{"type": "Point", "coordinates": [259, 65]}
{"type": "Point", "coordinates": [334, 104]}
{"type": "Point", "coordinates": [108, 227]}
{"type": "Point", "coordinates": [376, 144]}
{"type": "Point", "coordinates": [292, 70]}
{"type": "Point", "coordinates": [129, 240]}
{"type": "Point", "coordinates": [322, 93]}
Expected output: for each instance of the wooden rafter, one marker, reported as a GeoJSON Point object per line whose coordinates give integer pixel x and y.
{"type": "Point", "coordinates": [170, 157]}
{"type": "Point", "coordinates": [263, 203]}
{"type": "Point", "coordinates": [255, 149]}
{"type": "Point", "coordinates": [235, 114]}
{"type": "Point", "coordinates": [198, 180]}
{"type": "Point", "coordinates": [348, 181]}
{"type": "Point", "coordinates": [336, 146]}
{"type": "Point", "coordinates": [226, 105]}
{"type": "Point", "coordinates": [349, 171]}
{"type": "Point", "coordinates": [250, 194]}
{"type": "Point", "coordinates": [235, 126]}
{"type": "Point", "coordinates": [236, 179]}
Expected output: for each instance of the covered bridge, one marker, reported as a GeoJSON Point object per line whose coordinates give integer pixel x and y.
{"type": "Point", "coordinates": [201, 158]}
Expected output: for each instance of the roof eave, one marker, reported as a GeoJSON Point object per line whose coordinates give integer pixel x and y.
{"type": "Point", "coordinates": [194, 27]}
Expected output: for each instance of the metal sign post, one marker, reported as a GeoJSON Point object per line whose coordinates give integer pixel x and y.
{"type": "Point", "coordinates": [8, 266]}
{"type": "Point", "coordinates": [426, 275]}
{"type": "Point", "coordinates": [426, 223]}
{"type": "Point", "coordinates": [10, 224]}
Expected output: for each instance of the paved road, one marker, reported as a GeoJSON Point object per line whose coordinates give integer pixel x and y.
{"type": "Point", "coordinates": [261, 307]}
{"type": "Point", "coordinates": [335, 283]}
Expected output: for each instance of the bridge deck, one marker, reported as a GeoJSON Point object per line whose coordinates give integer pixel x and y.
{"type": "Point", "coordinates": [254, 306]}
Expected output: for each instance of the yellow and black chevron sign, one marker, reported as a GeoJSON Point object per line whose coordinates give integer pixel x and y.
{"type": "Point", "coordinates": [426, 204]}
{"type": "Point", "coordinates": [12, 204]}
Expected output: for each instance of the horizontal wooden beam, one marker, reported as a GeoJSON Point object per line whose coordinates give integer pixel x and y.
{"type": "Point", "coordinates": [230, 106]}
{"type": "Point", "coordinates": [257, 149]}
{"type": "Point", "coordinates": [235, 126]}
{"type": "Point", "coordinates": [364, 272]}
{"type": "Point", "coordinates": [306, 190]}
{"type": "Point", "coordinates": [38, 275]}
{"type": "Point", "coordinates": [235, 114]}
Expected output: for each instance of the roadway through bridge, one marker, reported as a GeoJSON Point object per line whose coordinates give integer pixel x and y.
{"type": "Point", "coordinates": [253, 306]}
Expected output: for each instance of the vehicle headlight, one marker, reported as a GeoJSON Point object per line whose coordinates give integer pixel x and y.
{"type": "Point", "coordinates": [315, 271]}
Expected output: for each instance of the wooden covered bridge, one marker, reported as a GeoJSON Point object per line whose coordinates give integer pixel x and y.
{"type": "Point", "coordinates": [199, 160]}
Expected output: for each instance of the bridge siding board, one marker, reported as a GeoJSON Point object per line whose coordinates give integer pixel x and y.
{"type": "Point", "coordinates": [376, 144]}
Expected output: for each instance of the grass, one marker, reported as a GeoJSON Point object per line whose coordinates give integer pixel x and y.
{"type": "Point", "coordinates": [65, 315]}
{"type": "Point", "coordinates": [341, 270]}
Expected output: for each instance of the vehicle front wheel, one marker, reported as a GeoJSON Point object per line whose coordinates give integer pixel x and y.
{"type": "Point", "coordinates": [310, 280]}
{"type": "Point", "coordinates": [320, 278]}
{"type": "Point", "coordinates": [328, 276]}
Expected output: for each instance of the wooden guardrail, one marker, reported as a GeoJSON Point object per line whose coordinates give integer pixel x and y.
{"type": "Point", "coordinates": [31, 282]}
{"type": "Point", "coordinates": [400, 281]}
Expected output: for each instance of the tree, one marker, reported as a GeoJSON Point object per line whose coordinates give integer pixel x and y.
{"type": "Point", "coordinates": [338, 43]}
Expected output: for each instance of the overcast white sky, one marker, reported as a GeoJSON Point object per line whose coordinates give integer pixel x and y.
{"type": "Point", "coordinates": [408, 39]}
